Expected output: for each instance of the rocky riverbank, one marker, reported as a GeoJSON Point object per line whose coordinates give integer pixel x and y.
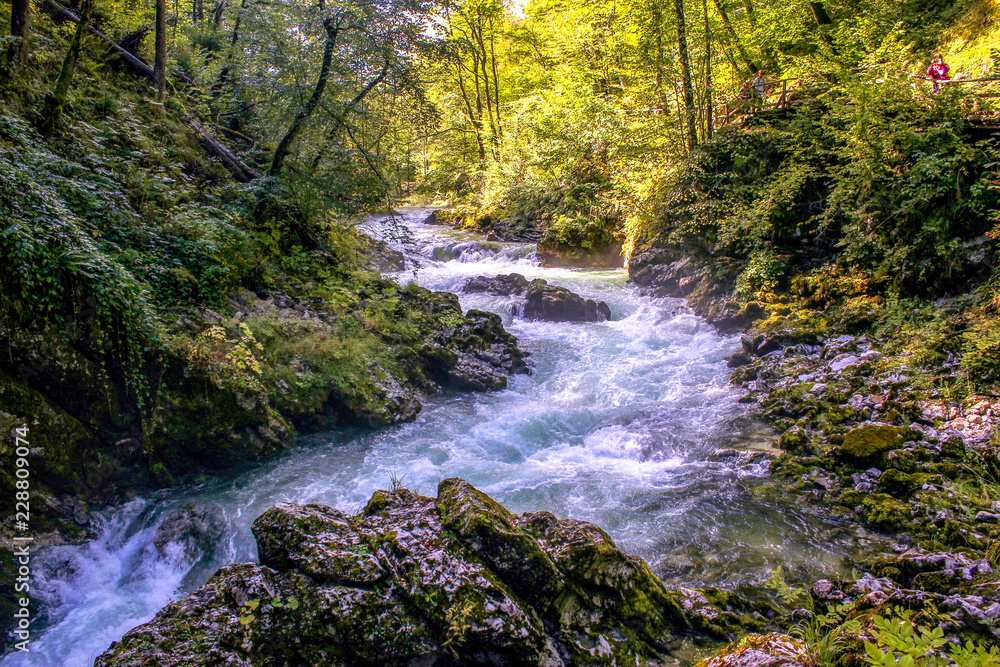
{"type": "Point", "coordinates": [872, 434]}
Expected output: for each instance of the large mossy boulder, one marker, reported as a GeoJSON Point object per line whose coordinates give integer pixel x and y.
{"type": "Point", "coordinates": [558, 304]}
{"type": "Point", "coordinates": [867, 445]}
{"type": "Point", "coordinates": [456, 580]}
{"type": "Point", "coordinates": [377, 398]}
{"type": "Point", "coordinates": [435, 345]}
{"type": "Point", "coordinates": [198, 426]}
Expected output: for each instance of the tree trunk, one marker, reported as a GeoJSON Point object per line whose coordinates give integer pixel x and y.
{"type": "Point", "coordinates": [340, 121]}
{"type": "Point", "coordinates": [477, 123]}
{"type": "Point", "coordinates": [710, 116]}
{"type": "Point", "coordinates": [240, 171]}
{"type": "Point", "coordinates": [20, 17]}
{"type": "Point", "coordinates": [688, 89]}
{"type": "Point", "coordinates": [735, 39]}
{"type": "Point", "coordinates": [496, 81]}
{"type": "Point", "coordinates": [283, 149]}
{"type": "Point", "coordinates": [219, 14]}
{"type": "Point", "coordinates": [820, 13]}
{"type": "Point", "coordinates": [823, 20]}
{"type": "Point", "coordinates": [490, 111]}
{"type": "Point", "coordinates": [160, 62]}
{"type": "Point", "coordinates": [220, 83]}
{"type": "Point", "coordinates": [55, 100]}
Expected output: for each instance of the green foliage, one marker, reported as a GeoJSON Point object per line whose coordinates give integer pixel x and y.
{"type": "Point", "coordinates": [787, 593]}
{"type": "Point", "coordinates": [229, 359]}
{"type": "Point", "coordinates": [905, 644]}
{"type": "Point", "coordinates": [898, 641]}
{"type": "Point", "coordinates": [762, 274]}
{"type": "Point", "coordinates": [828, 636]}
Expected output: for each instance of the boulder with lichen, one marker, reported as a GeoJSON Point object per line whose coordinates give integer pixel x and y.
{"type": "Point", "coordinates": [450, 580]}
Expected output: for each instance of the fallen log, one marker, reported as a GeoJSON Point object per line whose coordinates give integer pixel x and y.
{"type": "Point", "coordinates": [239, 169]}
{"type": "Point", "coordinates": [136, 63]}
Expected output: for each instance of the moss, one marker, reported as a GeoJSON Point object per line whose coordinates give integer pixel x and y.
{"type": "Point", "coordinates": [993, 553]}
{"type": "Point", "coordinates": [953, 448]}
{"type": "Point", "coordinates": [162, 475]}
{"type": "Point", "coordinates": [902, 460]}
{"type": "Point", "coordinates": [935, 582]}
{"type": "Point", "coordinates": [878, 510]}
{"type": "Point", "coordinates": [488, 529]}
{"type": "Point", "coordinates": [795, 441]}
{"type": "Point", "coordinates": [900, 484]}
{"type": "Point", "coordinates": [377, 503]}
{"type": "Point", "coordinates": [867, 445]}
{"type": "Point", "coordinates": [958, 534]}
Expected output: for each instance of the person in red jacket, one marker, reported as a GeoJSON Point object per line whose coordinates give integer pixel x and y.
{"type": "Point", "coordinates": [938, 71]}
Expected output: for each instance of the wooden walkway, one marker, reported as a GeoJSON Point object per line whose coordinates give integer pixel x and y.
{"type": "Point", "coordinates": [787, 93]}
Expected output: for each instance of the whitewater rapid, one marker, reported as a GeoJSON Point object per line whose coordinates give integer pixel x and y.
{"type": "Point", "coordinates": [616, 424]}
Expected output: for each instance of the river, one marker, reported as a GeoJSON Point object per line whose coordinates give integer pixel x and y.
{"type": "Point", "coordinates": [616, 424]}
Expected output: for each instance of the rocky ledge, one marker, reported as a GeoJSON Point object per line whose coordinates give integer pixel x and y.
{"type": "Point", "coordinates": [413, 580]}
{"type": "Point", "coordinates": [224, 397]}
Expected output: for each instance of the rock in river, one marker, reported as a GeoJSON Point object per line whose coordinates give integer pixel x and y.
{"type": "Point", "coordinates": [513, 283]}
{"type": "Point", "coordinates": [558, 304]}
{"type": "Point", "coordinates": [412, 580]}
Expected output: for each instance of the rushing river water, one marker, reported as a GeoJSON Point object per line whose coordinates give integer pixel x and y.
{"type": "Point", "coordinates": [616, 424]}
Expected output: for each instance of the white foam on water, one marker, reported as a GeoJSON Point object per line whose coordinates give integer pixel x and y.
{"type": "Point", "coordinates": [615, 425]}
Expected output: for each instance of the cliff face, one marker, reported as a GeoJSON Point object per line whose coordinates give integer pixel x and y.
{"type": "Point", "coordinates": [455, 579]}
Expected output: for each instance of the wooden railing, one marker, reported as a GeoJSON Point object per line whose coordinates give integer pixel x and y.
{"type": "Point", "coordinates": [982, 84]}
{"type": "Point", "coordinates": [785, 93]}
{"type": "Point", "coordinates": [775, 95]}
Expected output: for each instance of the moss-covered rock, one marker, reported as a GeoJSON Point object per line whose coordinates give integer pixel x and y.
{"type": "Point", "coordinates": [900, 484]}
{"type": "Point", "coordinates": [415, 580]}
{"type": "Point", "coordinates": [317, 541]}
{"type": "Point", "coordinates": [795, 441]}
{"type": "Point", "coordinates": [938, 572]}
{"type": "Point", "coordinates": [98, 442]}
{"type": "Point", "coordinates": [489, 529]}
{"type": "Point", "coordinates": [867, 445]}
{"type": "Point", "coordinates": [878, 510]}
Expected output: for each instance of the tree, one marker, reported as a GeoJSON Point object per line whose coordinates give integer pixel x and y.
{"type": "Point", "coordinates": [735, 39]}
{"type": "Point", "coordinates": [820, 14]}
{"type": "Point", "coordinates": [160, 61]}
{"type": "Point", "coordinates": [365, 46]}
{"type": "Point", "coordinates": [710, 115]}
{"type": "Point", "coordinates": [219, 13]}
{"type": "Point", "coordinates": [332, 27]}
{"type": "Point", "coordinates": [472, 33]}
{"type": "Point", "coordinates": [690, 113]}
{"type": "Point", "coordinates": [54, 101]}
{"type": "Point", "coordinates": [20, 18]}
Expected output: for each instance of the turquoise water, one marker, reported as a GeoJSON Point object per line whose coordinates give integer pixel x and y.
{"type": "Point", "coordinates": [616, 424]}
